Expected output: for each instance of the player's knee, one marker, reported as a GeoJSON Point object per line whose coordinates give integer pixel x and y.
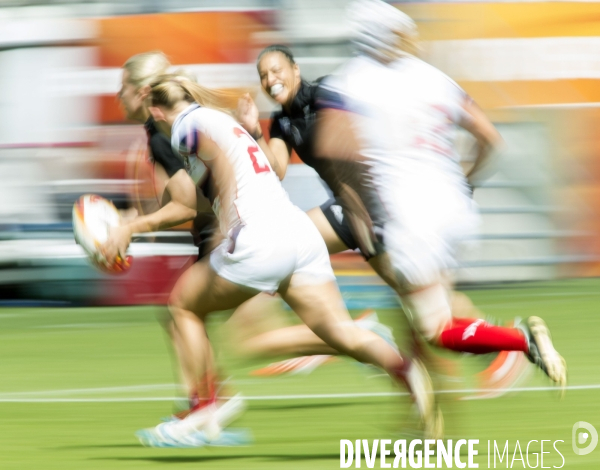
{"type": "Point", "coordinates": [174, 301]}
{"type": "Point", "coordinates": [429, 310]}
{"type": "Point", "coordinates": [177, 303]}
{"type": "Point", "coordinates": [432, 330]}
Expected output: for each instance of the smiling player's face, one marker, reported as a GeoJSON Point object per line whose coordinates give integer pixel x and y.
{"type": "Point", "coordinates": [278, 77]}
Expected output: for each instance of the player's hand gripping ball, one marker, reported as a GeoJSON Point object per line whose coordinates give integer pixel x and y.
{"type": "Point", "coordinates": [93, 217]}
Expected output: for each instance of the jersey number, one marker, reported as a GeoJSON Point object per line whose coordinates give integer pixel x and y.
{"type": "Point", "coordinates": [252, 150]}
{"type": "Point", "coordinates": [437, 139]}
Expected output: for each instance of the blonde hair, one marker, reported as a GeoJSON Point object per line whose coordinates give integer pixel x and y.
{"type": "Point", "coordinates": [169, 89]}
{"type": "Point", "coordinates": [144, 68]}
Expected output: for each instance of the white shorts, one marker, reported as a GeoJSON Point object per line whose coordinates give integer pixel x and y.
{"type": "Point", "coordinates": [429, 220]}
{"type": "Point", "coordinates": [266, 252]}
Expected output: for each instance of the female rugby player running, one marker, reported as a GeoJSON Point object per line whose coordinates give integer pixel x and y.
{"type": "Point", "coordinates": [293, 128]}
{"type": "Point", "coordinates": [268, 245]}
{"type": "Point", "coordinates": [405, 130]}
{"type": "Point", "coordinates": [167, 170]}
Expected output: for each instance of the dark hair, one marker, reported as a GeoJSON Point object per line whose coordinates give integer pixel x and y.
{"type": "Point", "coordinates": [286, 51]}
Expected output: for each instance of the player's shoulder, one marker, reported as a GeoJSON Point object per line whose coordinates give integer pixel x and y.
{"type": "Point", "coordinates": [184, 136]}
{"type": "Point", "coordinates": [186, 118]}
{"type": "Point", "coordinates": [348, 67]}
{"type": "Point", "coordinates": [215, 117]}
{"type": "Point", "coordinates": [338, 90]}
{"type": "Point", "coordinates": [425, 72]}
{"type": "Point", "coordinates": [202, 119]}
{"type": "Point", "coordinates": [354, 75]}
{"type": "Point", "coordinates": [196, 114]}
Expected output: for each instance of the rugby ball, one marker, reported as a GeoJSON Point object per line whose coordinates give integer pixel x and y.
{"type": "Point", "coordinates": [93, 216]}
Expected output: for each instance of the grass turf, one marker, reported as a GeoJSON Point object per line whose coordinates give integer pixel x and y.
{"type": "Point", "coordinates": [104, 353]}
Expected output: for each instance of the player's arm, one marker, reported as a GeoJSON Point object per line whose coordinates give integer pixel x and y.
{"type": "Point", "coordinates": [337, 143]}
{"type": "Point", "coordinates": [335, 137]}
{"type": "Point", "coordinates": [277, 150]}
{"type": "Point", "coordinates": [487, 138]}
{"type": "Point", "coordinates": [180, 208]}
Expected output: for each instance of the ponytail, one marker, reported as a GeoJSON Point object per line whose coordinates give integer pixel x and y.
{"type": "Point", "coordinates": [168, 90]}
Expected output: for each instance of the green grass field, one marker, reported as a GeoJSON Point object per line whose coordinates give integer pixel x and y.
{"type": "Point", "coordinates": [66, 376]}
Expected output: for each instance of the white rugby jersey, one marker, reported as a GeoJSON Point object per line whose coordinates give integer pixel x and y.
{"type": "Point", "coordinates": [258, 190]}
{"type": "Point", "coordinates": [406, 113]}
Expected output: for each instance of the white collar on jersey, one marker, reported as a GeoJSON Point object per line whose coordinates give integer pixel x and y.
{"type": "Point", "coordinates": [184, 113]}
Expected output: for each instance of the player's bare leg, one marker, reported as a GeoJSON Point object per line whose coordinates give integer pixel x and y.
{"type": "Point", "coordinates": [298, 340]}
{"type": "Point", "coordinates": [461, 306]}
{"type": "Point", "coordinates": [179, 351]}
{"type": "Point", "coordinates": [258, 328]}
{"type": "Point", "coordinates": [198, 292]}
{"type": "Point", "coordinates": [431, 312]}
{"type": "Point", "coordinates": [272, 339]}
{"type": "Point", "coordinates": [333, 242]}
{"type": "Point", "coordinates": [322, 309]}
{"type": "Point", "coordinates": [287, 341]}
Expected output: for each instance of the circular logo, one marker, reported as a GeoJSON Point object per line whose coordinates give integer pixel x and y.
{"type": "Point", "coordinates": [584, 434]}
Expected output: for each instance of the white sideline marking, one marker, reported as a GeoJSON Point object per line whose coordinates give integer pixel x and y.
{"type": "Point", "coordinates": [84, 326]}
{"type": "Point", "coordinates": [85, 400]}
{"type": "Point", "coordinates": [280, 397]}
{"type": "Point", "coordinates": [75, 391]}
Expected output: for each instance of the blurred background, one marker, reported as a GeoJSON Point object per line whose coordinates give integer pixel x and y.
{"type": "Point", "coordinates": [534, 67]}
{"type": "Point", "coordinates": [77, 382]}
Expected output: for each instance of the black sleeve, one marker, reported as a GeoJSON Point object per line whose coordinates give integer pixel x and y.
{"type": "Point", "coordinates": [326, 98]}
{"type": "Point", "coordinates": [275, 131]}
{"type": "Point", "coordinates": [161, 150]}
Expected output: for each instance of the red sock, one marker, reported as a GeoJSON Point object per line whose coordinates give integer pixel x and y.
{"type": "Point", "coordinates": [478, 337]}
